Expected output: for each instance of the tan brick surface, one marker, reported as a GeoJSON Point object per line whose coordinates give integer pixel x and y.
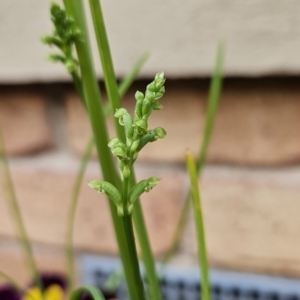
{"type": "Point", "coordinates": [23, 121]}
{"type": "Point", "coordinates": [250, 226]}
{"type": "Point", "coordinates": [44, 198]}
{"type": "Point", "coordinates": [257, 123]}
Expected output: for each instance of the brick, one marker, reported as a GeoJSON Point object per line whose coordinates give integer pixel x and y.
{"type": "Point", "coordinates": [251, 225]}
{"type": "Point", "coordinates": [23, 121]}
{"type": "Point", "coordinates": [44, 197]}
{"type": "Point", "coordinates": [257, 124]}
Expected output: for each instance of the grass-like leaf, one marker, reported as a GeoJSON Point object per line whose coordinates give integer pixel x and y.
{"type": "Point", "coordinates": [16, 214]}
{"type": "Point", "coordinates": [93, 292]}
{"type": "Point", "coordinates": [199, 224]}
{"type": "Point", "coordinates": [213, 101]}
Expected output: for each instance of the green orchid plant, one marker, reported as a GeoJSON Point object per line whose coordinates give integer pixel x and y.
{"type": "Point", "coordinates": [70, 38]}
{"type": "Point", "coordinates": [137, 136]}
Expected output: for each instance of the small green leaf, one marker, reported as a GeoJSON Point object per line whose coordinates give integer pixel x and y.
{"type": "Point", "coordinates": [93, 292]}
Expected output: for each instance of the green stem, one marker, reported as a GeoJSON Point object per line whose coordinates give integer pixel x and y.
{"type": "Point", "coordinates": [113, 94]}
{"type": "Point", "coordinates": [17, 216]}
{"type": "Point", "coordinates": [199, 224]}
{"type": "Point", "coordinates": [106, 61]}
{"type": "Point", "coordinates": [95, 109]}
{"type": "Point", "coordinates": [78, 85]}
{"type": "Point", "coordinates": [125, 183]}
{"type": "Point", "coordinates": [133, 273]}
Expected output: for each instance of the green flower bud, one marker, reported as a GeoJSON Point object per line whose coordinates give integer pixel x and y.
{"type": "Point", "coordinates": [159, 80]}
{"type": "Point", "coordinates": [160, 77]}
{"type": "Point", "coordinates": [57, 58]}
{"type": "Point", "coordinates": [146, 108]}
{"type": "Point", "coordinates": [134, 146]}
{"type": "Point", "coordinates": [158, 86]}
{"type": "Point", "coordinates": [150, 87]}
{"type": "Point", "coordinates": [150, 96]}
{"type": "Point", "coordinates": [113, 142]}
{"type": "Point", "coordinates": [156, 106]}
{"type": "Point", "coordinates": [119, 151]}
{"type": "Point", "coordinates": [71, 65]}
{"type": "Point", "coordinates": [140, 126]}
{"type": "Point", "coordinates": [120, 112]}
{"type": "Point", "coordinates": [139, 96]}
{"type": "Point", "coordinates": [160, 132]}
{"type": "Point", "coordinates": [141, 187]}
{"type": "Point", "coordinates": [52, 40]}
{"type": "Point", "coordinates": [104, 187]}
{"type": "Point", "coordinates": [138, 110]}
{"type": "Point", "coordinates": [127, 121]}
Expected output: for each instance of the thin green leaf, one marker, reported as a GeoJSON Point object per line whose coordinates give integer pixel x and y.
{"type": "Point", "coordinates": [16, 214]}
{"type": "Point", "coordinates": [93, 292]}
{"type": "Point", "coordinates": [129, 79]}
{"type": "Point", "coordinates": [131, 76]}
{"type": "Point", "coordinates": [213, 101]}
{"type": "Point", "coordinates": [199, 224]}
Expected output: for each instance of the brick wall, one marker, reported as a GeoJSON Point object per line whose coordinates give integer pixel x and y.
{"type": "Point", "coordinates": [250, 188]}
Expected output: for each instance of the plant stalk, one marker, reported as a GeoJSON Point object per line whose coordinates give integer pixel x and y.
{"type": "Point", "coordinates": [93, 101]}
{"type": "Point", "coordinates": [113, 95]}
{"type": "Point", "coordinates": [17, 216]}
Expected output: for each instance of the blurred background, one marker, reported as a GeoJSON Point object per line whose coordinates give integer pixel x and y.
{"type": "Point", "coordinates": [251, 184]}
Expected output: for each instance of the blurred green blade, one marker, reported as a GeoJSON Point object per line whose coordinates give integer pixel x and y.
{"type": "Point", "coordinates": [131, 76]}
{"type": "Point", "coordinates": [199, 225]}
{"type": "Point", "coordinates": [213, 101]}
{"type": "Point", "coordinates": [129, 79]}
{"type": "Point", "coordinates": [93, 292]}
{"type": "Point", "coordinates": [16, 214]}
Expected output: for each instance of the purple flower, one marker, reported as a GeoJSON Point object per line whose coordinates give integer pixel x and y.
{"type": "Point", "coordinates": [9, 293]}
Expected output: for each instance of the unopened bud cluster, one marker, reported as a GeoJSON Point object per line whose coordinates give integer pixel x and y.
{"type": "Point", "coordinates": [136, 130]}
{"type": "Point", "coordinates": [63, 37]}
{"type": "Point", "coordinates": [137, 136]}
